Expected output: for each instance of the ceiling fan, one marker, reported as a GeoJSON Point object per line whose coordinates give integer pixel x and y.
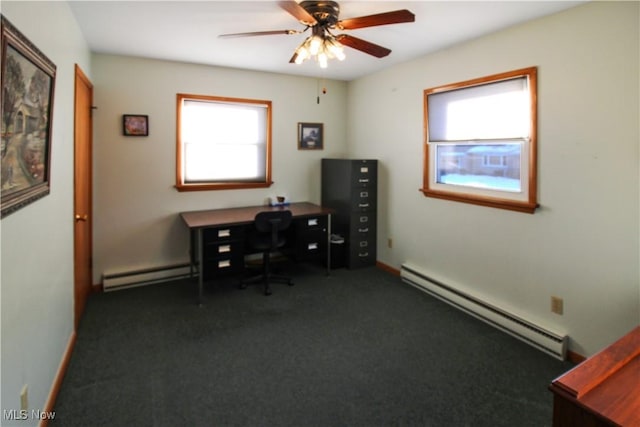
{"type": "Point", "coordinates": [322, 17]}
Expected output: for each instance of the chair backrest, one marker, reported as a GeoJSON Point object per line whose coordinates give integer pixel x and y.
{"type": "Point", "coordinates": [267, 221]}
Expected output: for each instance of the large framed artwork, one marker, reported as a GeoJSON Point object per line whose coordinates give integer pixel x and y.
{"type": "Point", "coordinates": [28, 83]}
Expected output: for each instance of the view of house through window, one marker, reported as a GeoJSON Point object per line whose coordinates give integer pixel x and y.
{"type": "Point", "coordinates": [481, 141]}
{"type": "Point", "coordinates": [223, 143]}
{"type": "Point", "coordinates": [489, 166]}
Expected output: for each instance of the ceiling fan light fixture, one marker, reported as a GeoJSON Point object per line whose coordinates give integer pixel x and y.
{"type": "Point", "coordinates": [335, 48]}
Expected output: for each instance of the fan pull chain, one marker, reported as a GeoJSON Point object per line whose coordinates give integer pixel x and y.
{"type": "Point", "coordinates": [324, 90]}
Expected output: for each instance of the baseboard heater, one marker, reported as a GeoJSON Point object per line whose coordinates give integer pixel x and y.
{"type": "Point", "coordinates": [541, 338]}
{"type": "Point", "coordinates": [144, 276]}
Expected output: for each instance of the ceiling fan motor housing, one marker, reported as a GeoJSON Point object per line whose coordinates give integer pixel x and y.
{"type": "Point", "coordinates": [325, 12]}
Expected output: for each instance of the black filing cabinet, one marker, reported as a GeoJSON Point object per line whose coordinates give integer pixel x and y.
{"type": "Point", "coordinates": [350, 187]}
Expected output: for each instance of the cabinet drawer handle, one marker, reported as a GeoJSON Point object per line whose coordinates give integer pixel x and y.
{"type": "Point", "coordinates": [364, 169]}
{"type": "Point", "coordinates": [224, 249]}
{"type": "Point", "coordinates": [363, 205]}
{"type": "Point", "coordinates": [363, 230]}
{"type": "Point", "coordinates": [312, 222]}
{"type": "Point", "coordinates": [224, 233]}
{"type": "Point", "coordinates": [364, 254]}
{"type": "Point", "coordinates": [224, 263]}
{"type": "Point", "coordinates": [364, 194]}
{"type": "Point", "coordinates": [364, 244]}
{"type": "Point", "coordinates": [312, 246]}
{"type": "Point", "coordinates": [364, 219]}
{"type": "Point", "coordinates": [365, 180]}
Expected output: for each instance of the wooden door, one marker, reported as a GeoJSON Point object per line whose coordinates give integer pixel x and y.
{"type": "Point", "coordinates": [83, 129]}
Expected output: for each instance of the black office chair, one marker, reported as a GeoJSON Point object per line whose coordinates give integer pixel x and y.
{"type": "Point", "coordinates": [268, 237]}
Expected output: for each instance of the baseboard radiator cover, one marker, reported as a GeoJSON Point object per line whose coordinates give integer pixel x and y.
{"type": "Point", "coordinates": [144, 276]}
{"type": "Point", "coordinates": [550, 342]}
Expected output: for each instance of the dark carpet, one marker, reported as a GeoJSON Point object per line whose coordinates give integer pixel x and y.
{"type": "Point", "coordinates": [357, 348]}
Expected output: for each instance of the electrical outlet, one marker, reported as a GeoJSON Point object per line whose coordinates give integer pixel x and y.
{"type": "Point", "coordinates": [24, 398]}
{"type": "Point", "coordinates": [390, 242]}
{"type": "Point", "coordinates": [557, 305]}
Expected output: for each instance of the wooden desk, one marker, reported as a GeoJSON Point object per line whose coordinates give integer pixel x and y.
{"type": "Point", "coordinates": [604, 390]}
{"type": "Point", "coordinates": [222, 230]}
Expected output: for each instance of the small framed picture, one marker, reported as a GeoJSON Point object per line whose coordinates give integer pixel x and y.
{"type": "Point", "coordinates": [310, 136]}
{"type": "Point", "coordinates": [135, 125]}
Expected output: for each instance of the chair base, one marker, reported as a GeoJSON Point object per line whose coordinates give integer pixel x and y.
{"type": "Point", "coordinates": [266, 280]}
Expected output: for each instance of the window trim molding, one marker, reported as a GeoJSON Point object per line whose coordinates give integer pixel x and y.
{"type": "Point", "coordinates": [528, 206]}
{"type": "Point", "coordinates": [182, 186]}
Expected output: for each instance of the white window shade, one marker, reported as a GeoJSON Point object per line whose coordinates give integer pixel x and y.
{"type": "Point", "coordinates": [492, 111]}
{"type": "Point", "coordinates": [223, 141]}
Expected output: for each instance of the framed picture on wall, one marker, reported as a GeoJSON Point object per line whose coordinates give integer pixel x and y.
{"type": "Point", "coordinates": [28, 82]}
{"type": "Point", "coordinates": [135, 125]}
{"type": "Point", "coordinates": [310, 136]}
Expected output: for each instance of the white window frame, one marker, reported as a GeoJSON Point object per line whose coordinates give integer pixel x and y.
{"type": "Point", "coordinates": [230, 180]}
{"type": "Point", "coordinates": [521, 200]}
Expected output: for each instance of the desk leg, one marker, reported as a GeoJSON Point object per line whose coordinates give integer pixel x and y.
{"type": "Point", "coordinates": [200, 264]}
{"type": "Point", "coordinates": [329, 244]}
{"type": "Point", "coordinates": [192, 253]}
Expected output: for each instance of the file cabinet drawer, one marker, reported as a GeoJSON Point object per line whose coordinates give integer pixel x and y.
{"type": "Point", "coordinates": [364, 200]}
{"type": "Point", "coordinates": [364, 174]}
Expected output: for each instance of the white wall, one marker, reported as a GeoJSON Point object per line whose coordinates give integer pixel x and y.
{"type": "Point", "coordinates": [136, 207]}
{"type": "Point", "coordinates": [37, 240]}
{"type": "Point", "coordinates": [582, 244]}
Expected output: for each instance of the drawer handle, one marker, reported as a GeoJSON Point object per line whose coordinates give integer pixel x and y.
{"type": "Point", "coordinates": [364, 169]}
{"type": "Point", "coordinates": [363, 230]}
{"type": "Point", "coordinates": [364, 194]}
{"type": "Point", "coordinates": [312, 222]}
{"type": "Point", "coordinates": [363, 205]}
{"type": "Point", "coordinates": [224, 263]}
{"type": "Point", "coordinates": [312, 246]}
{"type": "Point", "coordinates": [364, 254]}
{"type": "Point", "coordinates": [364, 180]}
{"type": "Point", "coordinates": [224, 233]}
{"type": "Point", "coordinates": [364, 219]}
{"type": "Point", "coordinates": [224, 249]}
{"type": "Point", "coordinates": [364, 244]}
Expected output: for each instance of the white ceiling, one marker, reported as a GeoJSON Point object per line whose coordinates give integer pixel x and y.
{"type": "Point", "coordinates": [188, 31]}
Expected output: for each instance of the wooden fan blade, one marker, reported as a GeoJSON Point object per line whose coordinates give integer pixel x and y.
{"type": "Point", "coordinates": [395, 17]}
{"type": "Point", "coordinates": [298, 12]}
{"type": "Point", "coordinates": [363, 45]}
{"type": "Point", "coordinates": [259, 33]}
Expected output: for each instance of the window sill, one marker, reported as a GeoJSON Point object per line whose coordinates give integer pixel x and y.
{"type": "Point", "coordinates": [222, 186]}
{"type": "Point", "coordinates": [524, 207]}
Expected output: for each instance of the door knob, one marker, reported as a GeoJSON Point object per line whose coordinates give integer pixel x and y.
{"type": "Point", "coordinates": [81, 217]}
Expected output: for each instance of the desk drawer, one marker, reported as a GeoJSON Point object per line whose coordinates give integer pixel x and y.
{"type": "Point", "coordinates": [311, 246]}
{"type": "Point", "coordinates": [223, 234]}
{"type": "Point", "coordinates": [217, 267]}
{"type": "Point", "coordinates": [217, 250]}
{"type": "Point", "coordinates": [310, 224]}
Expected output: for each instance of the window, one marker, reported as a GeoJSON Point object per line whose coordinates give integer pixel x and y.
{"type": "Point", "coordinates": [222, 143]}
{"type": "Point", "coordinates": [480, 141]}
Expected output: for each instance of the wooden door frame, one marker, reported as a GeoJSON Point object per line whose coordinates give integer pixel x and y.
{"type": "Point", "coordinates": [81, 295]}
